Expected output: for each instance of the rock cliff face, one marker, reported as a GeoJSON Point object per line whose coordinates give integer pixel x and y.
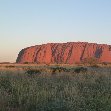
{"type": "Point", "coordinates": [69, 53]}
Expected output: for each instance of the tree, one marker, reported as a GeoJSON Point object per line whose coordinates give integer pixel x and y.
{"type": "Point", "coordinates": [91, 61]}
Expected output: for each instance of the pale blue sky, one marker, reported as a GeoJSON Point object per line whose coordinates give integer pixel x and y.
{"type": "Point", "coordinates": [25, 23]}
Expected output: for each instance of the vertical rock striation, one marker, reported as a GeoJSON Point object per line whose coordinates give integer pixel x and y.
{"type": "Point", "coordinates": [69, 53]}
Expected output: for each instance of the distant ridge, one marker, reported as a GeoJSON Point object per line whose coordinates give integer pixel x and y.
{"type": "Point", "coordinates": [64, 53]}
{"type": "Point", "coordinates": [5, 63]}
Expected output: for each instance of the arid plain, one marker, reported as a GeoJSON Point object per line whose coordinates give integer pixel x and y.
{"type": "Point", "coordinates": [56, 87]}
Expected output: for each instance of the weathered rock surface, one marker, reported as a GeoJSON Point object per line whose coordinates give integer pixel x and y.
{"type": "Point", "coordinates": [69, 53]}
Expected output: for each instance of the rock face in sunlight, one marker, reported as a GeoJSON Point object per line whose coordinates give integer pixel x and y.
{"type": "Point", "coordinates": [69, 53]}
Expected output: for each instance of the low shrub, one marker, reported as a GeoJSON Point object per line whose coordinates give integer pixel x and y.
{"type": "Point", "coordinates": [95, 66]}
{"type": "Point", "coordinates": [80, 70]}
{"type": "Point", "coordinates": [58, 70]}
{"type": "Point", "coordinates": [104, 63]}
{"type": "Point", "coordinates": [11, 66]}
{"type": "Point", "coordinates": [30, 71]}
{"type": "Point", "coordinates": [27, 62]}
{"type": "Point", "coordinates": [91, 61]}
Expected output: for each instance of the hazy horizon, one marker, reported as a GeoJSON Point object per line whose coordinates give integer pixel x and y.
{"type": "Point", "coordinates": [27, 23]}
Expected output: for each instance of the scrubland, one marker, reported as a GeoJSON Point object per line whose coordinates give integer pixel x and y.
{"type": "Point", "coordinates": [55, 88]}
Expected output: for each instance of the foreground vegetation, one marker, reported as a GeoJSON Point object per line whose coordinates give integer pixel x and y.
{"type": "Point", "coordinates": [56, 89]}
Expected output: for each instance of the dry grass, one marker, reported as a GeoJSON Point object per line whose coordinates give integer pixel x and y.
{"type": "Point", "coordinates": [62, 90]}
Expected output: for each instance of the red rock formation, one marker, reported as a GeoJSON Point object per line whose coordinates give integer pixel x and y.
{"type": "Point", "coordinates": [70, 53]}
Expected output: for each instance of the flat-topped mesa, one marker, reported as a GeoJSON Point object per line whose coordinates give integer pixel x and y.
{"type": "Point", "coordinates": [64, 53]}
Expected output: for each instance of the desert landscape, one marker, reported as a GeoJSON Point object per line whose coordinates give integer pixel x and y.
{"type": "Point", "coordinates": [84, 86]}
{"type": "Point", "coordinates": [55, 55]}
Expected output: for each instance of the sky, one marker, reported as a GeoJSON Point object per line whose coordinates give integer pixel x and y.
{"type": "Point", "coordinates": [25, 23]}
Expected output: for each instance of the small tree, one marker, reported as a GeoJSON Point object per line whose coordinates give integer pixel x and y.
{"type": "Point", "coordinates": [91, 61]}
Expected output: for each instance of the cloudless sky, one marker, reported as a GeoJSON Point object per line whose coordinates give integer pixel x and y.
{"type": "Point", "coordinates": [24, 23]}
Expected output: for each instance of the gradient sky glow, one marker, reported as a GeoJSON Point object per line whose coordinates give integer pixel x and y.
{"type": "Point", "coordinates": [25, 23]}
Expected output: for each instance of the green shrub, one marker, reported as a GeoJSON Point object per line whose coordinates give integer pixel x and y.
{"type": "Point", "coordinates": [30, 71]}
{"type": "Point", "coordinates": [58, 70]}
{"type": "Point", "coordinates": [80, 70]}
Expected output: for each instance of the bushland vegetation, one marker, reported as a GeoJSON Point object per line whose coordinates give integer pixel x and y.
{"type": "Point", "coordinates": [55, 88]}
